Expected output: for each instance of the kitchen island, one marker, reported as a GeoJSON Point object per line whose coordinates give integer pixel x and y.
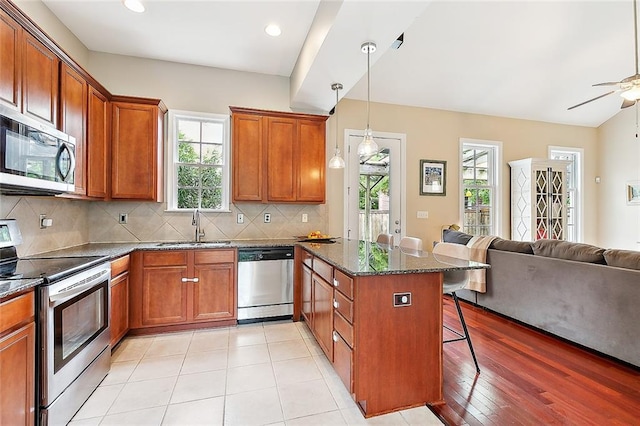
{"type": "Point", "coordinates": [376, 312]}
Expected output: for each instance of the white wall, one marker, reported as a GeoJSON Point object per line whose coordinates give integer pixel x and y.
{"type": "Point", "coordinates": [619, 163]}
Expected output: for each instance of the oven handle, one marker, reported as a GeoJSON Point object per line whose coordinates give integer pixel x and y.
{"type": "Point", "coordinates": [76, 289]}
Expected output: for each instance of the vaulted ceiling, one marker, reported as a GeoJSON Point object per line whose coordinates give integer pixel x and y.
{"type": "Point", "coordinates": [522, 59]}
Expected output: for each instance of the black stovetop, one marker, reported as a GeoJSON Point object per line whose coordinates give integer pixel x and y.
{"type": "Point", "coordinates": [49, 269]}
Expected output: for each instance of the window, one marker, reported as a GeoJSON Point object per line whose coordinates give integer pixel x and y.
{"type": "Point", "coordinates": [198, 161]}
{"type": "Point", "coordinates": [479, 194]}
{"type": "Point", "coordinates": [574, 188]}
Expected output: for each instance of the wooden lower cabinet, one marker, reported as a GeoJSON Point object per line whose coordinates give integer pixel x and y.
{"type": "Point", "coordinates": [323, 314]}
{"type": "Point", "coordinates": [307, 294]}
{"type": "Point", "coordinates": [119, 310]}
{"type": "Point", "coordinates": [17, 360]}
{"type": "Point", "coordinates": [343, 361]}
{"type": "Point", "coordinates": [180, 287]}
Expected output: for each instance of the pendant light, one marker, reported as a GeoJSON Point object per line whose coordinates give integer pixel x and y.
{"type": "Point", "coordinates": [368, 146]}
{"type": "Point", "coordinates": [336, 162]}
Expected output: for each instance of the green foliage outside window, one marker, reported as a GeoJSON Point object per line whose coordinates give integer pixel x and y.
{"type": "Point", "coordinates": [199, 174]}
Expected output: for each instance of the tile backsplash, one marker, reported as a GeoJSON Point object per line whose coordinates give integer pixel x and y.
{"type": "Point", "coordinates": [77, 222]}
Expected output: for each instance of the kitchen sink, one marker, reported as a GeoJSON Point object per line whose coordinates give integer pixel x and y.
{"type": "Point", "coordinates": [217, 243]}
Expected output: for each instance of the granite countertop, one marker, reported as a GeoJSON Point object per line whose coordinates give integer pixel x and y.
{"type": "Point", "coordinates": [359, 258]}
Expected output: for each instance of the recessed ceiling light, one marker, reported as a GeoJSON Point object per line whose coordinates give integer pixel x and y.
{"type": "Point", "coordinates": [134, 5]}
{"type": "Point", "coordinates": [273, 30]}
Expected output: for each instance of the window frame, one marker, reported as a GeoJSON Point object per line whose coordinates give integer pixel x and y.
{"type": "Point", "coordinates": [496, 147]}
{"type": "Point", "coordinates": [578, 180]}
{"type": "Point", "coordinates": [171, 162]}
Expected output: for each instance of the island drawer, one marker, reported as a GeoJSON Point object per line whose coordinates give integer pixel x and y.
{"type": "Point", "coordinates": [323, 269]}
{"type": "Point", "coordinates": [343, 283]}
{"type": "Point", "coordinates": [343, 305]}
{"type": "Point", "coordinates": [306, 258]}
{"type": "Point", "coordinates": [343, 328]}
{"type": "Point", "coordinates": [119, 266]}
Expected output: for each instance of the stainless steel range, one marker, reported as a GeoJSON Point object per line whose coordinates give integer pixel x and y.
{"type": "Point", "coordinates": [72, 324]}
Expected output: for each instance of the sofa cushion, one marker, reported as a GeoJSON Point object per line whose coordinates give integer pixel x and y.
{"type": "Point", "coordinates": [456, 237]}
{"type": "Point", "coordinates": [510, 245]}
{"type": "Point", "coordinates": [569, 251]}
{"type": "Point", "coordinates": [623, 258]}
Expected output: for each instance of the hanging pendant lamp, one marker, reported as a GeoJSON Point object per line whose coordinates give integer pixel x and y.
{"type": "Point", "coordinates": [336, 162]}
{"type": "Point", "coordinates": [368, 146]}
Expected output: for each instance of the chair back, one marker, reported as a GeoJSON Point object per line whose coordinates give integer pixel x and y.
{"type": "Point", "coordinates": [453, 280]}
{"type": "Point", "coordinates": [411, 243]}
{"type": "Point", "coordinates": [385, 239]}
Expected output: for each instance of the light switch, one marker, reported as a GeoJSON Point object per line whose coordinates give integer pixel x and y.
{"type": "Point", "coordinates": [305, 218]}
{"type": "Point", "coordinates": [423, 214]}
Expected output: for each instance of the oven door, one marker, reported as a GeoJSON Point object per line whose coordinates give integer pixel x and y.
{"type": "Point", "coordinates": [74, 329]}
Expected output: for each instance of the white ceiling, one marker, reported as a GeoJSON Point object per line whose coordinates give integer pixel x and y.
{"type": "Point", "coordinates": [522, 59]}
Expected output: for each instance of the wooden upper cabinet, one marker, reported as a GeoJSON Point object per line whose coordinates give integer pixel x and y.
{"type": "Point", "coordinates": [98, 144]}
{"type": "Point", "coordinates": [278, 157]}
{"type": "Point", "coordinates": [311, 161]}
{"type": "Point", "coordinates": [73, 114]}
{"type": "Point", "coordinates": [136, 149]}
{"type": "Point", "coordinates": [281, 159]}
{"type": "Point", "coordinates": [247, 147]}
{"type": "Point", "coordinates": [10, 61]}
{"type": "Point", "coordinates": [39, 81]}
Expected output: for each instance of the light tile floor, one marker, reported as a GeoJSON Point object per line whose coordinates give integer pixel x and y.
{"type": "Point", "coordinates": [271, 373]}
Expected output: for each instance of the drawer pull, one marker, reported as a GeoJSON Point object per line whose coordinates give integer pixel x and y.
{"type": "Point", "coordinates": [336, 304]}
{"type": "Point", "coordinates": [336, 283]}
{"type": "Point", "coordinates": [335, 336]}
{"type": "Point", "coordinates": [190, 280]}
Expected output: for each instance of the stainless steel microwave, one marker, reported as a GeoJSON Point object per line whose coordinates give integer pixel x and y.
{"type": "Point", "coordinates": [35, 159]}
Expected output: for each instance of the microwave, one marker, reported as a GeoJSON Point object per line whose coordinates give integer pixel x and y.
{"type": "Point", "coordinates": [35, 159]}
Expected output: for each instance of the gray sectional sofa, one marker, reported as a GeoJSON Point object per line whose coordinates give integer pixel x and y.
{"type": "Point", "coordinates": [582, 293]}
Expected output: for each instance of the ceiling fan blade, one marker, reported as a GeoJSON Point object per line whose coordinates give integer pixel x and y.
{"type": "Point", "coordinates": [626, 103]}
{"type": "Point", "coordinates": [591, 100]}
{"type": "Point", "coordinates": [609, 83]}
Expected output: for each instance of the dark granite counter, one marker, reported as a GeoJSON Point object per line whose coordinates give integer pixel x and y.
{"type": "Point", "coordinates": [356, 257]}
{"type": "Point", "coordinates": [10, 287]}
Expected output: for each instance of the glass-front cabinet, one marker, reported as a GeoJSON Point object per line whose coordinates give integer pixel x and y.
{"type": "Point", "coordinates": [538, 199]}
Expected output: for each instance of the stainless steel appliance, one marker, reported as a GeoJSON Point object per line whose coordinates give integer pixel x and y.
{"type": "Point", "coordinates": [265, 283]}
{"type": "Point", "coordinates": [72, 324]}
{"type": "Point", "coordinates": [35, 159]}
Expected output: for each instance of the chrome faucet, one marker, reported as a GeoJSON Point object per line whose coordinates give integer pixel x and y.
{"type": "Point", "coordinates": [195, 221]}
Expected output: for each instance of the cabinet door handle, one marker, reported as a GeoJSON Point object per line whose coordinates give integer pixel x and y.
{"type": "Point", "coordinates": [335, 336]}
{"type": "Point", "coordinates": [190, 280]}
{"type": "Point", "coordinates": [335, 304]}
{"type": "Point", "coordinates": [336, 283]}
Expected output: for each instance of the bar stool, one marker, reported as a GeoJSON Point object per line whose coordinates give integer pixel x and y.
{"type": "Point", "coordinates": [453, 281]}
{"type": "Point", "coordinates": [411, 243]}
{"type": "Point", "coordinates": [385, 239]}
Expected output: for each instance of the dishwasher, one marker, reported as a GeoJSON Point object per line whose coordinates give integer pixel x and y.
{"type": "Point", "coordinates": [265, 283]}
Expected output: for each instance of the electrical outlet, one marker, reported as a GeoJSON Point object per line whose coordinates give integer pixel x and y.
{"type": "Point", "coordinates": [423, 214]}
{"type": "Point", "coordinates": [267, 218]}
{"type": "Point", "coordinates": [305, 218]}
{"type": "Point", "coordinates": [123, 218]}
{"type": "Point", "coordinates": [44, 222]}
{"type": "Point", "coordinates": [240, 218]}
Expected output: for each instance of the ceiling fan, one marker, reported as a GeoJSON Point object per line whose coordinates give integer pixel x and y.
{"type": "Point", "coordinates": [629, 88]}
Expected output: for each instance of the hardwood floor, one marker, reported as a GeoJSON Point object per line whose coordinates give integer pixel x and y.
{"type": "Point", "coordinates": [530, 378]}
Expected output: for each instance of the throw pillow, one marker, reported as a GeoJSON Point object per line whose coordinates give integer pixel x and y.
{"type": "Point", "coordinates": [623, 258]}
{"type": "Point", "coordinates": [456, 237]}
{"type": "Point", "coordinates": [510, 245]}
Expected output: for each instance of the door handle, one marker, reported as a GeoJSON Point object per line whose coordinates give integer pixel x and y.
{"type": "Point", "coordinates": [190, 280]}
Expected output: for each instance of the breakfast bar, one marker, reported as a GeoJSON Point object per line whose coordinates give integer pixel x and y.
{"type": "Point", "coordinates": [376, 312]}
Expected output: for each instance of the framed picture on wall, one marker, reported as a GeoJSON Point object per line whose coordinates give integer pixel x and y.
{"type": "Point", "coordinates": [433, 177]}
{"type": "Point", "coordinates": [633, 192]}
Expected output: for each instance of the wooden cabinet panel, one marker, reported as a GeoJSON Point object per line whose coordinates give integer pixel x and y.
{"type": "Point", "coordinates": [247, 146]}
{"type": "Point", "coordinates": [165, 258]}
{"type": "Point", "coordinates": [39, 81]}
{"type": "Point", "coordinates": [281, 159]}
{"type": "Point", "coordinates": [164, 295]}
{"type": "Point", "coordinates": [120, 266]}
{"type": "Point", "coordinates": [343, 361]}
{"type": "Point", "coordinates": [17, 360]}
{"type": "Point", "coordinates": [136, 151]}
{"type": "Point", "coordinates": [98, 152]}
{"type": "Point", "coordinates": [214, 256]}
{"type": "Point", "coordinates": [307, 295]}
{"type": "Point", "coordinates": [310, 161]}
{"type": "Point", "coordinates": [343, 305]}
{"type": "Point", "coordinates": [323, 315]}
{"type": "Point", "coordinates": [73, 113]}
{"type": "Point", "coordinates": [343, 328]}
{"type": "Point", "coordinates": [343, 283]}
{"type": "Point", "coordinates": [323, 269]}
{"type": "Point", "coordinates": [10, 61]}
{"type": "Point", "coordinates": [119, 308]}
{"type": "Point", "coordinates": [17, 379]}
{"type": "Point", "coordinates": [214, 295]}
